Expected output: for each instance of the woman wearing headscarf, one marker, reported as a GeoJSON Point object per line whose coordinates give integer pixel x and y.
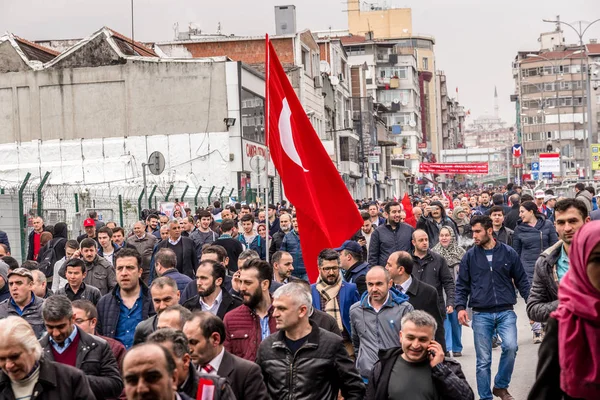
{"type": "Point", "coordinates": [533, 234]}
{"type": "Point", "coordinates": [462, 220]}
{"type": "Point", "coordinates": [569, 357]}
{"type": "Point", "coordinates": [449, 249]}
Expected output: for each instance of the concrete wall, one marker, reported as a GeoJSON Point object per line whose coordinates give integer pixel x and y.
{"type": "Point", "coordinates": [134, 99]}
{"type": "Point", "coordinates": [383, 23]}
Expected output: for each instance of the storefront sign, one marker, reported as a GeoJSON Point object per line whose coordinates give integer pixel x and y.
{"type": "Point", "coordinates": [480, 168]}
{"type": "Point", "coordinates": [595, 156]}
{"type": "Point", "coordinates": [251, 149]}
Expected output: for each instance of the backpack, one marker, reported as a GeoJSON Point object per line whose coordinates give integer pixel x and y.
{"type": "Point", "coordinates": [48, 259]}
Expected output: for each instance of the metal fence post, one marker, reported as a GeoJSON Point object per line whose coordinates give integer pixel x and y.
{"type": "Point", "coordinates": [196, 197]}
{"type": "Point", "coordinates": [40, 206]}
{"type": "Point", "coordinates": [150, 196]}
{"type": "Point", "coordinates": [212, 189]}
{"type": "Point", "coordinates": [168, 193]}
{"type": "Point", "coordinates": [22, 216]}
{"type": "Point", "coordinates": [121, 210]}
{"type": "Point", "coordinates": [140, 203]}
{"type": "Point", "coordinates": [184, 192]}
{"type": "Point", "coordinates": [231, 193]}
{"type": "Point", "coordinates": [76, 202]}
{"type": "Point", "coordinates": [221, 193]}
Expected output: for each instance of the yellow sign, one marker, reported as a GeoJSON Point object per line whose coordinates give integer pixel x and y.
{"type": "Point", "coordinates": [595, 155]}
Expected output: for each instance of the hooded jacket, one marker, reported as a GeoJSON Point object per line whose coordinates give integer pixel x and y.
{"type": "Point", "coordinates": [530, 241]}
{"type": "Point", "coordinates": [586, 198]}
{"type": "Point", "coordinates": [373, 331]}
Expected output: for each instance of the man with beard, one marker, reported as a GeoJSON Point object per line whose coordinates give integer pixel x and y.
{"type": "Point", "coordinates": [389, 237]}
{"type": "Point", "coordinates": [283, 265]}
{"type": "Point", "coordinates": [491, 267]}
{"type": "Point", "coordinates": [211, 296]}
{"type": "Point", "coordinates": [251, 323]}
{"type": "Point", "coordinates": [285, 225]}
{"type": "Point", "coordinates": [552, 265]}
{"type": "Point", "coordinates": [417, 369]}
{"type": "Point", "coordinates": [382, 307]}
{"type": "Point", "coordinates": [334, 296]}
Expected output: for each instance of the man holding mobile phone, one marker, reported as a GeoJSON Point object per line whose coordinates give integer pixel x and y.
{"type": "Point", "coordinates": [417, 369]}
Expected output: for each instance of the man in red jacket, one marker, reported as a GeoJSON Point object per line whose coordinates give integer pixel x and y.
{"type": "Point", "coordinates": [252, 322]}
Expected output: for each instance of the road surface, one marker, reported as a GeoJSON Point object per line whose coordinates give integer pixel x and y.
{"type": "Point", "coordinates": [525, 365]}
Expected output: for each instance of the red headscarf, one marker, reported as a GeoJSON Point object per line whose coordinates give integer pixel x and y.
{"type": "Point", "coordinates": [578, 316]}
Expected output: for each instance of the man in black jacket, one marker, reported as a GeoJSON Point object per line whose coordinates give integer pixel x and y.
{"type": "Point", "coordinates": [130, 298]}
{"type": "Point", "coordinates": [67, 344]}
{"type": "Point", "coordinates": [390, 237]}
{"type": "Point", "coordinates": [55, 381]}
{"type": "Point", "coordinates": [206, 334]}
{"type": "Point", "coordinates": [176, 343]}
{"type": "Point", "coordinates": [233, 246]}
{"type": "Point", "coordinates": [285, 226]}
{"type": "Point", "coordinates": [421, 295]}
{"type": "Point", "coordinates": [184, 248]}
{"type": "Point", "coordinates": [164, 294]}
{"type": "Point", "coordinates": [552, 264]}
{"type": "Point", "coordinates": [351, 262]}
{"type": "Point", "coordinates": [418, 369]}
{"type": "Point", "coordinates": [433, 220]}
{"type": "Point", "coordinates": [432, 269]}
{"type": "Point", "coordinates": [212, 297]}
{"type": "Point", "coordinates": [512, 217]}
{"type": "Point", "coordinates": [301, 360]}
{"type": "Point", "coordinates": [501, 232]}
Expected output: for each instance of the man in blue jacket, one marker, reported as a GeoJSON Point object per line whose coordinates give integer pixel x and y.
{"type": "Point", "coordinates": [485, 278]}
{"type": "Point", "coordinates": [291, 244]}
{"type": "Point", "coordinates": [334, 296]}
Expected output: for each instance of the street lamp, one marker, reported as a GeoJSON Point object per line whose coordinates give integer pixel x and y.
{"type": "Point", "coordinates": [583, 27]}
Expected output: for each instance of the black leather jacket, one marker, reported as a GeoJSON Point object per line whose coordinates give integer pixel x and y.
{"type": "Point", "coordinates": [318, 370]}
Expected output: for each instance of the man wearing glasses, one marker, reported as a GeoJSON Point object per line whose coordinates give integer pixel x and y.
{"type": "Point", "coordinates": [129, 303]}
{"type": "Point", "coordinates": [334, 296]}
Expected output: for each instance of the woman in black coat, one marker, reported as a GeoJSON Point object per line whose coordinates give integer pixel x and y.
{"type": "Point", "coordinates": [532, 236]}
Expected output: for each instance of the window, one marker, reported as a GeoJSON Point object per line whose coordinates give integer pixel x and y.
{"type": "Point", "coordinates": [306, 61]}
{"type": "Point", "coordinates": [391, 72]}
{"type": "Point", "coordinates": [253, 113]}
{"type": "Point", "coordinates": [355, 50]}
{"type": "Point", "coordinates": [425, 63]}
{"type": "Point", "coordinates": [349, 149]}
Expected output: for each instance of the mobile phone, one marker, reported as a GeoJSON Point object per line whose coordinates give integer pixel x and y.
{"type": "Point", "coordinates": [431, 353]}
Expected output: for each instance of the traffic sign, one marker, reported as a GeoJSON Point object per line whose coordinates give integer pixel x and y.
{"type": "Point", "coordinates": [549, 162]}
{"type": "Point", "coordinates": [535, 166]}
{"type": "Point", "coordinates": [535, 175]}
{"type": "Point", "coordinates": [517, 150]}
{"type": "Point", "coordinates": [156, 163]}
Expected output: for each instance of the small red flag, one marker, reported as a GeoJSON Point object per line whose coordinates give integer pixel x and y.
{"type": "Point", "coordinates": [410, 216]}
{"type": "Point", "coordinates": [450, 202]}
{"type": "Point", "coordinates": [327, 215]}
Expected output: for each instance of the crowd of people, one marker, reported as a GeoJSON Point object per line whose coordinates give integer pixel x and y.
{"type": "Point", "coordinates": [216, 303]}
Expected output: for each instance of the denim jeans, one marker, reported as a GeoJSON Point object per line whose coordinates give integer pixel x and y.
{"type": "Point", "coordinates": [484, 325]}
{"type": "Point", "coordinates": [453, 332]}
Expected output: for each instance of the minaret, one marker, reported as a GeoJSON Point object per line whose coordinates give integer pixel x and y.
{"type": "Point", "coordinates": [496, 113]}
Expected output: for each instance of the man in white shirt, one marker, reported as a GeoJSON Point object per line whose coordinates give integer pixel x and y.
{"type": "Point", "coordinates": [206, 334]}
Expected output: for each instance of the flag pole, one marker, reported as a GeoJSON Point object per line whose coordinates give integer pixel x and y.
{"type": "Point", "coordinates": [267, 126]}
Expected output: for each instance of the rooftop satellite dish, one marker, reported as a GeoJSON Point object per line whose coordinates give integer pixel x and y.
{"type": "Point", "coordinates": [156, 163]}
{"type": "Point", "coordinates": [324, 67]}
{"type": "Point", "coordinates": [334, 80]}
{"type": "Point", "coordinates": [412, 124]}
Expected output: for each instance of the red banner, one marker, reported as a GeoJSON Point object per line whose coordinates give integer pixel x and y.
{"type": "Point", "coordinates": [480, 168]}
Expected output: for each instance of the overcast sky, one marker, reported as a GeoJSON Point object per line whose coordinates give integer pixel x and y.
{"type": "Point", "coordinates": [476, 40]}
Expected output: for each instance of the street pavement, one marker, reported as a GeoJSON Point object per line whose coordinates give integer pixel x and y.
{"type": "Point", "coordinates": [524, 374]}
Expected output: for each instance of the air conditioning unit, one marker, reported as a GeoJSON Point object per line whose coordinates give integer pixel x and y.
{"type": "Point", "coordinates": [318, 81]}
{"type": "Point", "coordinates": [393, 58]}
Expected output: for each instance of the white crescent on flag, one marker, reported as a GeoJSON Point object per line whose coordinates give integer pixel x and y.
{"type": "Point", "coordinates": [285, 134]}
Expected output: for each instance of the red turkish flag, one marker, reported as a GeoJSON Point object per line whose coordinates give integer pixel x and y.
{"type": "Point", "coordinates": [410, 216]}
{"type": "Point", "coordinates": [327, 215]}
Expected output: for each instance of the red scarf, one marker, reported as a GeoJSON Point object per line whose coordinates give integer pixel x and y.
{"type": "Point", "coordinates": [578, 317]}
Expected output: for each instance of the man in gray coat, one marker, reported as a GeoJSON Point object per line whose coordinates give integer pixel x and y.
{"type": "Point", "coordinates": [99, 272]}
{"type": "Point", "coordinates": [144, 243]}
{"type": "Point", "coordinates": [383, 306]}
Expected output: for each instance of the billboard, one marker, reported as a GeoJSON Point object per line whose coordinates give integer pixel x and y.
{"type": "Point", "coordinates": [475, 168]}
